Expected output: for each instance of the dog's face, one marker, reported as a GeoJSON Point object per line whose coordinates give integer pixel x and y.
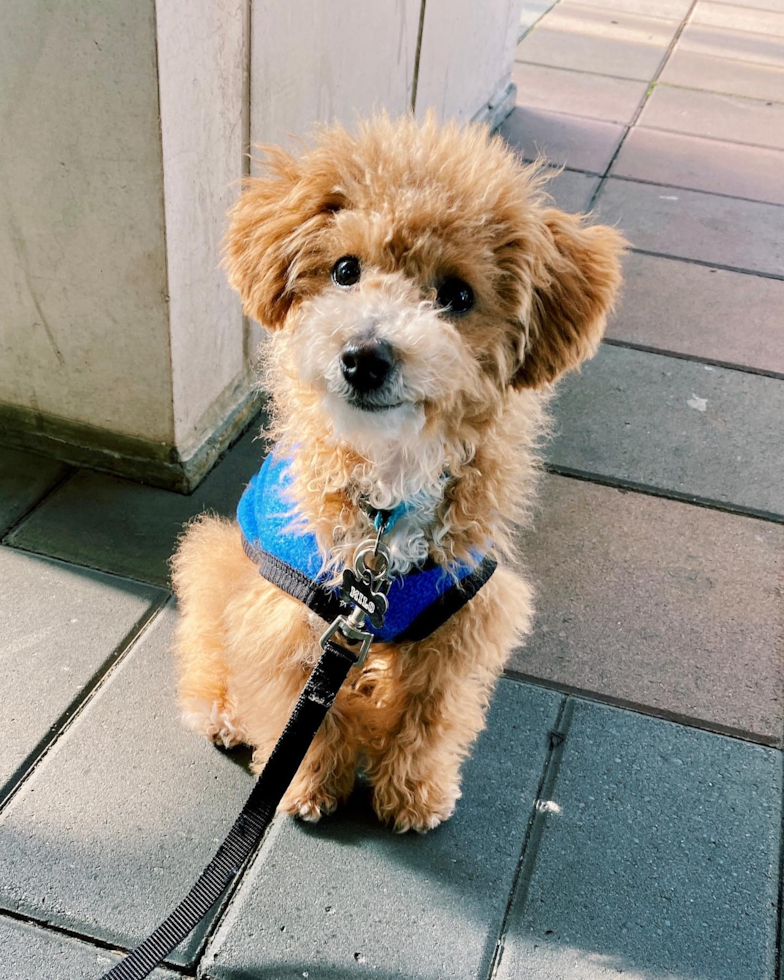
{"type": "Point", "coordinates": [416, 276]}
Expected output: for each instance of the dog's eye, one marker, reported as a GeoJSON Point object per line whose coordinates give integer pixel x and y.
{"type": "Point", "coordinates": [346, 271]}
{"type": "Point", "coordinates": [455, 296]}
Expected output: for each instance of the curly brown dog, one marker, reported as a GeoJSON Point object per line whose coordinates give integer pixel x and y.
{"type": "Point", "coordinates": [422, 296]}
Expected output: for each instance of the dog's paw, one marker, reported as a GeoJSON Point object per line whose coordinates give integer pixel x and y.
{"type": "Point", "coordinates": [214, 721]}
{"type": "Point", "coordinates": [420, 807]}
{"type": "Point", "coordinates": [308, 806]}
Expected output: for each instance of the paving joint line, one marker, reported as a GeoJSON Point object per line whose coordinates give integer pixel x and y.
{"type": "Point", "coordinates": [560, 167]}
{"type": "Point", "coordinates": [779, 277]}
{"type": "Point", "coordinates": [732, 95]}
{"type": "Point", "coordinates": [55, 488]}
{"type": "Point", "coordinates": [93, 941]}
{"type": "Point", "coordinates": [580, 71]}
{"type": "Point", "coordinates": [227, 900]}
{"type": "Point", "coordinates": [630, 486]}
{"type": "Point", "coordinates": [694, 190]}
{"type": "Point", "coordinates": [651, 85]}
{"type": "Point", "coordinates": [733, 3]}
{"type": "Point", "coordinates": [573, 115]}
{"type": "Point", "coordinates": [712, 139]}
{"type": "Point", "coordinates": [535, 827]}
{"type": "Point", "coordinates": [73, 711]}
{"type": "Point", "coordinates": [648, 711]}
{"type": "Point", "coordinates": [743, 30]}
{"type": "Point", "coordinates": [598, 6]}
{"type": "Point", "coordinates": [161, 586]}
{"type": "Point", "coordinates": [694, 358]}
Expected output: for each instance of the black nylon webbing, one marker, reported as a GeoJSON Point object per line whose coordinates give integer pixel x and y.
{"type": "Point", "coordinates": [306, 718]}
{"type": "Point", "coordinates": [325, 602]}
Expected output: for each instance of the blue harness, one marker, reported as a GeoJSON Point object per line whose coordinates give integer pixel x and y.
{"type": "Point", "coordinates": [419, 602]}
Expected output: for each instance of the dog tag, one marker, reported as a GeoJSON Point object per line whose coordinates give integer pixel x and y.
{"type": "Point", "coordinates": [360, 593]}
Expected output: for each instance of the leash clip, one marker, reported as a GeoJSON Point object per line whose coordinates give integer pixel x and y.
{"type": "Point", "coordinates": [365, 589]}
{"type": "Point", "coordinates": [346, 626]}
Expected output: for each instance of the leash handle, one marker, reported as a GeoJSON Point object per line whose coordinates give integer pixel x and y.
{"type": "Point", "coordinates": [309, 712]}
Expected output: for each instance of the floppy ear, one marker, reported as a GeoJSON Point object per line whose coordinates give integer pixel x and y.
{"type": "Point", "coordinates": [272, 242]}
{"type": "Point", "coordinates": [577, 284]}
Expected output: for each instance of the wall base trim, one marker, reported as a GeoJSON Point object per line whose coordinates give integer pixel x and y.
{"type": "Point", "coordinates": [497, 108]}
{"type": "Point", "coordinates": [153, 463]}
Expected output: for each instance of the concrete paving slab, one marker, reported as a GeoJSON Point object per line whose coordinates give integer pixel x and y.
{"type": "Point", "coordinates": [658, 857]}
{"type": "Point", "coordinates": [350, 898]}
{"type": "Point", "coordinates": [753, 172]}
{"type": "Point", "coordinates": [704, 71]}
{"type": "Point", "coordinates": [60, 628]}
{"type": "Point", "coordinates": [701, 312]}
{"type": "Point", "coordinates": [722, 117]}
{"type": "Point", "coordinates": [28, 952]}
{"type": "Point", "coordinates": [660, 604]}
{"type": "Point", "coordinates": [675, 426]}
{"type": "Point", "coordinates": [597, 20]}
{"type": "Point", "coordinates": [132, 529]}
{"type": "Point", "coordinates": [120, 817]}
{"type": "Point", "coordinates": [24, 480]}
{"type": "Point", "coordinates": [694, 225]}
{"type": "Point", "coordinates": [668, 9]}
{"type": "Point", "coordinates": [593, 39]}
{"type": "Point", "coordinates": [572, 191]}
{"type": "Point", "coordinates": [739, 18]}
{"type": "Point", "coordinates": [564, 140]}
{"type": "Point", "coordinates": [578, 93]}
{"type": "Point", "coordinates": [777, 5]}
{"type": "Point", "coordinates": [735, 46]}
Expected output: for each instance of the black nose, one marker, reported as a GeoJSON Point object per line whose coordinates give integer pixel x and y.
{"type": "Point", "coordinates": [366, 364]}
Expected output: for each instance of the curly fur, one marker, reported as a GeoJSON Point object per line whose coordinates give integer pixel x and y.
{"type": "Point", "coordinates": [415, 204]}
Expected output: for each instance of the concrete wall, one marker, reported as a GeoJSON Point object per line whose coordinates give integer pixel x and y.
{"type": "Point", "coordinates": [203, 73]}
{"type": "Point", "coordinates": [467, 51]}
{"type": "Point", "coordinates": [124, 130]}
{"type": "Point", "coordinates": [82, 252]}
{"type": "Point", "coordinates": [350, 57]}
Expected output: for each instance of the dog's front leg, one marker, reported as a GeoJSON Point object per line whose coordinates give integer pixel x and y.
{"type": "Point", "coordinates": [436, 706]}
{"type": "Point", "coordinates": [326, 776]}
{"type": "Point", "coordinates": [414, 767]}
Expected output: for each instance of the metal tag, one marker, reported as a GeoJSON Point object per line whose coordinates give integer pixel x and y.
{"type": "Point", "coordinates": [358, 592]}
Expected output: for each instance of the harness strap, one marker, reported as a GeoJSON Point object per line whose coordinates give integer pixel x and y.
{"type": "Point", "coordinates": [314, 702]}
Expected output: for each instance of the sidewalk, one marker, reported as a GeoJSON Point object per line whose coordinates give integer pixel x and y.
{"type": "Point", "coordinates": [622, 813]}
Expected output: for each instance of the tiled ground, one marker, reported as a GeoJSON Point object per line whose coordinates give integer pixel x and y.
{"type": "Point", "coordinates": [621, 814]}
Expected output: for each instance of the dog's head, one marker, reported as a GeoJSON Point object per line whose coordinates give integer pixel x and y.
{"type": "Point", "coordinates": [417, 276]}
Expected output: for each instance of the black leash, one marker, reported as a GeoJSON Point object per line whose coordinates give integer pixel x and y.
{"type": "Point", "coordinates": [309, 712]}
{"type": "Point", "coordinates": [364, 589]}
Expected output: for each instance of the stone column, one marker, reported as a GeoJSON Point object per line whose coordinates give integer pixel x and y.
{"type": "Point", "coordinates": [124, 128]}
{"type": "Point", "coordinates": [124, 131]}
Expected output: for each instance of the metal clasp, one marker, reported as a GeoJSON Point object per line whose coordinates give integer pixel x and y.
{"type": "Point", "coordinates": [349, 631]}
{"type": "Point", "coordinates": [375, 581]}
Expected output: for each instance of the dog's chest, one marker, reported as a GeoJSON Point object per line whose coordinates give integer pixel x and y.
{"type": "Point", "coordinates": [414, 526]}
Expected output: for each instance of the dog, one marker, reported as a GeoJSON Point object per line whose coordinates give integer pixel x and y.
{"type": "Point", "coordinates": [422, 296]}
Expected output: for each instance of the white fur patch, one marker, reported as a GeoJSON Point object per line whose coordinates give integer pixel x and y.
{"type": "Point", "coordinates": [214, 722]}
{"type": "Point", "coordinates": [431, 364]}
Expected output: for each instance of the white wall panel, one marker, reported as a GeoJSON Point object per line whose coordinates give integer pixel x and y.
{"type": "Point", "coordinates": [314, 61]}
{"type": "Point", "coordinates": [467, 53]}
{"type": "Point", "coordinates": [83, 315]}
{"type": "Point", "coordinates": [202, 52]}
